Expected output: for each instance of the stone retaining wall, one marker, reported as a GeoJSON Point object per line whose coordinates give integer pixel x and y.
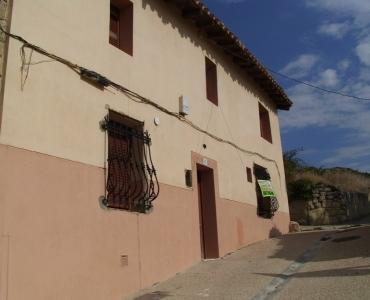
{"type": "Point", "coordinates": [330, 206]}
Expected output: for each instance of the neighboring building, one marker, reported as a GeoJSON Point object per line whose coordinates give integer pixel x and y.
{"type": "Point", "coordinates": [71, 148]}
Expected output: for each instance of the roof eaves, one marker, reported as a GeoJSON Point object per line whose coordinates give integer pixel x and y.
{"type": "Point", "coordinates": [218, 32]}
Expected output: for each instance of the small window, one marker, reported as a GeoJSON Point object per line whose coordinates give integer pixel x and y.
{"type": "Point", "coordinates": [211, 81]}
{"type": "Point", "coordinates": [265, 126]}
{"type": "Point", "coordinates": [266, 205]}
{"type": "Point", "coordinates": [121, 25]}
{"type": "Point", "coordinates": [188, 178]}
{"type": "Point", "coordinates": [131, 177]}
{"type": "Point", "coordinates": [262, 206]}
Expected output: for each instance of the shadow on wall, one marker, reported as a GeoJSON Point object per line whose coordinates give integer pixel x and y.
{"type": "Point", "coordinates": [172, 16]}
{"type": "Point", "coordinates": [275, 232]}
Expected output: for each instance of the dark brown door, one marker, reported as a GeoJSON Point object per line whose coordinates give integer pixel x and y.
{"type": "Point", "coordinates": [207, 213]}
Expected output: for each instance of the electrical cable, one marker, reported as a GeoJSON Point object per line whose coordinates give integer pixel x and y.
{"type": "Point", "coordinates": [204, 136]}
{"type": "Point", "coordinates": [304, 82]}
{"type": "Point", "coordinates": [131, 94]}
{"type": "Point", "coordinates": [318, 87]}
{"type": "Point", "coordinates": [228, 128]}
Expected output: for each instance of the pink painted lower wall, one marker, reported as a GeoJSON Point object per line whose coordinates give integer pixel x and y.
{"type": "Point", "coordinates": [239, 225]}
{"type": "Point", "coordinates": [58, 242]}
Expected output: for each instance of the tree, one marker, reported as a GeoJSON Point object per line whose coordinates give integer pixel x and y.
{"type": "Point", "coordinates": [292, 164]}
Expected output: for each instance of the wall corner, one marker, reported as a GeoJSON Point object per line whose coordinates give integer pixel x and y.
{"type": "Point", "coordinates": [5, 17]}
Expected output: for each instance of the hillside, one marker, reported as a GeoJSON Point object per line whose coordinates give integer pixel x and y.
{"type": "Point", "coordinates": [343, 178]}
{"type": "Point", "coordinates": [300, 177]}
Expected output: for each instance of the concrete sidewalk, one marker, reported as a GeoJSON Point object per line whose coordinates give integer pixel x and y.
{"type": "Point", "coordinates": [362, 221]}
{"type": "Point", "coordinates": [339, 270]}
{"type": "Point", "coordinates": [331, 264]}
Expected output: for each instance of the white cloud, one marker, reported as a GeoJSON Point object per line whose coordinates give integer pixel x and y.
{"type": "Point", "coordinates": [342, 6]}
{"type": "Point", "coordinates": [363, 52]}
{"type": "Point", "coordinates": [318, 109]}
{"type": "Point", "coordinates": [365, 74]}
{"type": "Point", "coordinates": [335, 30]}
{"type": "Point", "coordinates": [328, 78]}
{"type": "Point", "coordinates": [344, 64]}
{"type": "Point", "coordinates": [357, 18]}
{"type": "Point", "coordinates": [312, 108]}
{"type": "Point", "coordinates": [343, 155]}
{"type": "Point", "coordinates": [358, 10]}
{"type": "Point", "coordinates": [301, 66]}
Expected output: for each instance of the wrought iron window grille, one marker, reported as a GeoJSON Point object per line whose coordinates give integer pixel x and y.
{"type": "Point", "coordinates": [266, 206]}
{"type": "Point", "coordinates": [131, 182]}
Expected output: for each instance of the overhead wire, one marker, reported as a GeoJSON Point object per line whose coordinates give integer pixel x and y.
{"type": "Point", "coordinates": [339, 93]}
{"type": "Point", "coordinates": [25, 68]}
{"type": "Point", "coordinates": [228, 128]}
{"type": "Point", "coordinates": [131, 94]}
{"type": "Point", "coordinates": [207, 126]}
{"type": "Point", "coordinates": [311, 85]}
{"type": "Point", "coordinates": [318, 87]}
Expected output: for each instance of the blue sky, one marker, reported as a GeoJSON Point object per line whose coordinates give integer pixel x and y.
{"type": "Point", "coordinates": [324, 42]}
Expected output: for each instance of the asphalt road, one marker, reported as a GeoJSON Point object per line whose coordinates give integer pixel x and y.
{"type": "Point", "coordinates": [328, 264]}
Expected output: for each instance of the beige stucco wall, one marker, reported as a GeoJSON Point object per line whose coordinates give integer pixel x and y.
{"type": "Point", "coordinates": [58, 114]}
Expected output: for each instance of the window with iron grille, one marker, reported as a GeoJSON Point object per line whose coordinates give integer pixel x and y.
{"type": "Point", "coordinates": [121, 25]}
{"type": "Point", "coordinates": [266, 206]}
{"type": "Point", "coordinates": [132, 182]}
{"type": "Point", "coordinates": [265, 123]}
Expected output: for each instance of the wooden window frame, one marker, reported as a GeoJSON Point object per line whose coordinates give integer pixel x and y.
{"type": "Point", "coordinates": [211, 81]}
{"type": "Point", "coordinates": [121, 14]}
{"type": "Point", "coordinates": [265, 125]}
{"type": "Point", "coordinates": [114, 23]}
{"type": "Point", "coordinates": [249, 174]}
{"type": "Point", "coordinates": [118, 171]}
{"type": "Point", "coordinates": [131, 179]}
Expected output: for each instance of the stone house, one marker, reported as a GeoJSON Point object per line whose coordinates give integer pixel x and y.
{"type": "Point", "coordinates": [132, 134]}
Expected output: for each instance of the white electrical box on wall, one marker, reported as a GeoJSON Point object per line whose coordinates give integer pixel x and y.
{"type": "Point", "coordinates": [184, 108]}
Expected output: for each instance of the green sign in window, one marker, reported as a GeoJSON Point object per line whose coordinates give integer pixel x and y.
{"type": "Point", "coordinates": [266, 188]}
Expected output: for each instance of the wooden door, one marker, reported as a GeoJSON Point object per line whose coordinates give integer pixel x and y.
{"type": "Point", "coordinates": [207, 213]}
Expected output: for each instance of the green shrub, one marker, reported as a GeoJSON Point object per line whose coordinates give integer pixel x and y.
{"type": "Point", "coordinates": [300, 189]}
